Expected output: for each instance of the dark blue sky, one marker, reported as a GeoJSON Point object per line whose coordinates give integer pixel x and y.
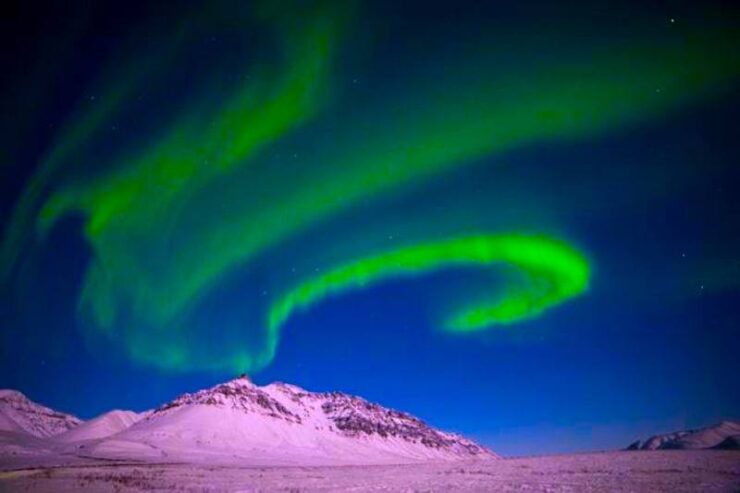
{"type": "Point", "coordinates": [650, 347]}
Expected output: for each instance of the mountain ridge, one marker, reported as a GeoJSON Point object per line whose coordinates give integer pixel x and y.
{"type": "Point", "coordinates": [285, 424]}
{"type": "Point", "coordinates": [277, 424]}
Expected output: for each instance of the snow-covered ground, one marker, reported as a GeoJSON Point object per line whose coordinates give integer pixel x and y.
{"type": "Point", "coordinates": [648, 471]}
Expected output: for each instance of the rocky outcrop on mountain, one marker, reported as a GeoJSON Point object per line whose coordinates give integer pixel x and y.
{"type": "Point", "coordinates": [721, 435]}
{"type": "Point", "coordinates": [238, 394]}
{"type": "Point", "coordinates": [355, 416]}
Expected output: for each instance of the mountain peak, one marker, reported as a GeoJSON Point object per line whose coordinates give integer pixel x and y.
{"type": "Point", "coordinates": [284, 423]}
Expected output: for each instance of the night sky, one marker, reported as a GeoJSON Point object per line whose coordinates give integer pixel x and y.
{"type": "Point", "coordinates": [518, 220]}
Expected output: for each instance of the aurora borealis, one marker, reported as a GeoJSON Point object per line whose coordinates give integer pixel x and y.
{"type": "Point", "coordinates": [215, 177]}
{"type": "Point", "coordinates": [557, 272]}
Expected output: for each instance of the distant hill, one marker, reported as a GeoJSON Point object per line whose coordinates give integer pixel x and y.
{"type": "Point", "coordinates": [724, 435]}
{"type": "Point", "coordinates": [103, 426]}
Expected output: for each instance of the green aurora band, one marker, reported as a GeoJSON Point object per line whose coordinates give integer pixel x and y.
{"type": "Point", "coordinates": [556, 272]}
{"type": "Point", "coordinates": [168, 221]}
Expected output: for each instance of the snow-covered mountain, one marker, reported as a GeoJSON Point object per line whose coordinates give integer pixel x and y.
{"type": "Point", "coordinates": [722, 435]}
{"type": "Point", "coordinates": [282, 424]}
{"type": "Point", "coordinates": [19, 414]}
{"type": "Point", "coordinates": [240, 422]}
{"type": "Point", "coordinates": [103, 426]}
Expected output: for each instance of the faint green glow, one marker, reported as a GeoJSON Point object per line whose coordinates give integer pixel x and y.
{"type": "Point", "coordinates": [557, 271]}
{"type": "Point", "coordinates": [193, 152]}
{"type": "Point", "coordinates": [106, 98]}
{"type": "Point", "coordinates": [139, 197]}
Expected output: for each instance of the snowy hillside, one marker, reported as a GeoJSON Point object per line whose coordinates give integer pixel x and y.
{"type": "Point", "coordinates": [282, 424]}
{"type": "Point", "coordinates": [19, 414]}
{"type": "Point", "coordinates": [721, 435]}
{"type": "Point", "coordinates": [103, 426]}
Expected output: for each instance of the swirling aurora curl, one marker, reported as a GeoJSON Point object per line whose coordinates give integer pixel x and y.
{"type": "Point", "coordinates": [556, 273]}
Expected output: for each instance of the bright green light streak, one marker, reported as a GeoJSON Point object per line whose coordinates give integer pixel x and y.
{"type": "Point", "coordinates": [557, 272]}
